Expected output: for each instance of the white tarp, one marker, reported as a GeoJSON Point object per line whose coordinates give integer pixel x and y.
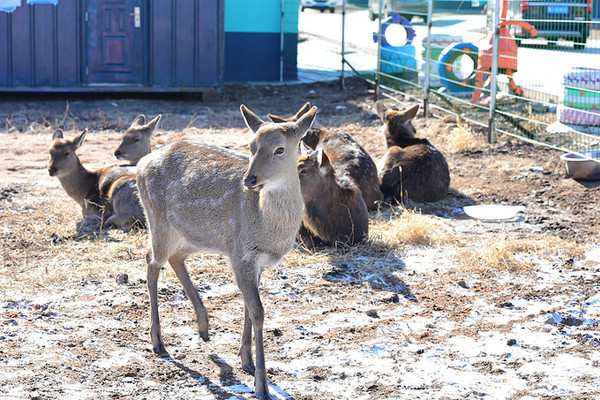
{"type": "Point", "coordinates": [9, 5]}
{"type": "Point", "coordinates": [53, 2]}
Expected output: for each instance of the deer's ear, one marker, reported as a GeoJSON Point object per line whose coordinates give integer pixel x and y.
{"type": "Point", "coordinates": [277, 119]}
{"type": "Point", "coordinates": [252, 120]}
{"type": "Point", "coordinates": [140, 120]}
{"type": "Point", "coordinates": [324, 160]}
{"type": "Point", "coordinates": [320, 157]}
{"type": "Point", "coordinates": [306, 121]}
{"type": "Point", "coordinates": [409, 114]}
{"type": "Point", "coordinates": [304, 149]}
{"type": "Point", "coordinates": [303, 110]}
{"type": "Point", "coordinates": [152, 124]}
{"type": "Point", "coordinates": [58, 134]}
{"type": "Point", "coordinates": [381, 110]}
{"type": "Point", "coordinates": [78, 140]}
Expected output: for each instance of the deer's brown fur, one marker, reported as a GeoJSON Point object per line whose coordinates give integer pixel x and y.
{"type": "Point", "coordinates": [109, 193]}
{"type": "Point", "coordinates": [135, 142]}
{"type": "Point", "coordinates": [412, 167]}
{"type": "Point", "coordinates": [334, 210]}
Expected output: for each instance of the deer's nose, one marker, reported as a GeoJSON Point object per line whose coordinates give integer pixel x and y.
{"type": "Point", "coordinates": [250, 181]}
{"type": "Point", "coordinates": [117, 153]}
{"type": "Point", "coordinates": [52, 171]}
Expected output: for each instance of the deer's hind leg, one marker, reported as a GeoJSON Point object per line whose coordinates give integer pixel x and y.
{"type": "Point", "coordinates": [156, 257]}
{"type": "Point", "coordinates": [153, 270]}
{"type": "Point", "coordinates": [177, 262]}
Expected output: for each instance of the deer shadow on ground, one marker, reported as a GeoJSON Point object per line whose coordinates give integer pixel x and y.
{"type": "Point", "coordinates": [229, 386]}
{"type": "Point", "coordinates": [451, 207]}
{"type": "Point", "coordinates": [373, 263]}
{"type": "Point", "coordinates": [92, 229]}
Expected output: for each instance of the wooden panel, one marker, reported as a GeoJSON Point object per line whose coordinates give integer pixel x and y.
{"type": "Point", "coordinates": [43, 20]}
{"type": "Point", "coordinates": [21, 47]}
{"type": "Point", "coordinates": [162, 43]}
{"type": "Point", "coordinates": [4, 54]}
{"type": "Point", "coordinates": [210, 43]}
{"type": "Point", "coordinates": [67, 43]}
{"type": "Point", "coordinates": [185, 39]}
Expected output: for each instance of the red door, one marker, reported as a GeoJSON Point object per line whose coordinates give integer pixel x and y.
{"type": "Point", "coordinates": [114, 42]}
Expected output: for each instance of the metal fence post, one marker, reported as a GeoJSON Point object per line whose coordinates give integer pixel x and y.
{"type": "Point", "coordinates": [494, 73]}
{"type": "Point", "coordinates": [428, 57]}
{"type": "Point", "coordinates": [343, 44]}
{"type": "Point", "coordinates": [378, 52]}
{"type": "Point", "coordinates": [282, 42]}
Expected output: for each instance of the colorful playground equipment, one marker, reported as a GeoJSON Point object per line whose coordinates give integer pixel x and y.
{"type": "Point", "coordinates": [507, 60]}
{"type": "Point", "coordinates": [456, 74]}
{"type": "Point", "coordinates": [397, 60]}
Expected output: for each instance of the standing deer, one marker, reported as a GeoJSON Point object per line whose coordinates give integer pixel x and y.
{"type": "Point", "coordinates": [204, 197]}
{"type": "Point", "coordinates": [411, 167]}
{"type": "Point", "coordinates": [135, 143]}
{"type": "Point", "coordinates": [349, 159]}
{"type": "Point", "coordinates": [334, 210]}
{"type": "Point", "coordinates": [109, 193]}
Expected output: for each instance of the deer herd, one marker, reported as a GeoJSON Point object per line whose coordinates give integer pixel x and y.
{"type": "Point", "coordinates": [300, 183]}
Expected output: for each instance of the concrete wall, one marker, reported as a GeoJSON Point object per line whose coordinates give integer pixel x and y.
{"type": "Point", "coordinates": [253, 40]}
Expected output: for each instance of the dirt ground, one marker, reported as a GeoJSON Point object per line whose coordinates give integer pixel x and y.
{"type": "Point", "coordinates": [389, 319]}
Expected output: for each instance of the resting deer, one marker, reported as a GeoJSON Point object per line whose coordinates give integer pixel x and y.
{"type": "Point", "coordinates": [349, 159]}
{"type": "Point", "coordinates": [109, 193]}
{"type": "Point", "coordinates": [334, 210]}
{"type": "Point", "coordinates": [135, 143]}
{"type": "Point", "coordinates": [204, 197]}
{"type": "Point", "coordinates": [411, 167]}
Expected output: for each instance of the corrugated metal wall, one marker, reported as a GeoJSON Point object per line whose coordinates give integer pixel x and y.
{"type": "Point", "coordinates": [39, 47]}
{"type": "Point", "coordinates": [46, 47]}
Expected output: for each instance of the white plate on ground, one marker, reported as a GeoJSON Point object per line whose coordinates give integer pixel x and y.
{"type": "Point", "coordinates": [493, 212]}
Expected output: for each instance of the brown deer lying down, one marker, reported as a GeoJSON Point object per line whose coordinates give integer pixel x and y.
{"type": "Point", "coordinates": [109, 193]}
{"type": "Point", "coordinates": [349, 159]}
{"type": "Point", "coordinates": [334, 210]}
{"type": "Point", "coordinates": [411, 167]}
{"type": "Point", "coordinates": [135, 143]}
{"type": "Point", "coordinates": [204, 197]}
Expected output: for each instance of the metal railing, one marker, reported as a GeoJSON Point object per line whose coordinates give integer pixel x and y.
{"type": "Point", "coordinates": [520, 67]}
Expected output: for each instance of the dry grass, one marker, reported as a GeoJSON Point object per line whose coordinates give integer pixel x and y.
{"type": "Point", "coordinates": [461, 138]}
{"type": "Point", "coordinates": [508, 254]}
{"type": "Point", "coordinates": [402, 227]}
{"type": "Point", "coordinates": [44, 243]}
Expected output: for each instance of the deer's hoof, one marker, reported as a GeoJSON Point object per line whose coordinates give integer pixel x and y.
{"type": "Point", "coordinates": [161, 351]}
{"type": "Point", "coordinates": [204, 336]}
{"type": "Point", "coordinates": [249, 368]}
{"type": "Point", "coordinates": [262, 395]}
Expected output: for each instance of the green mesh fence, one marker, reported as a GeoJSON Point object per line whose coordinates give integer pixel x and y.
{"type": "Point", "coordinates": [546, 88]}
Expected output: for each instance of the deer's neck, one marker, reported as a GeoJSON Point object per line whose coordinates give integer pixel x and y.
{"type": "Point", "coordinates": [325, 204]}
{"type": "Point", "coordinates": [80, 183]}
{"type": "Point", "coordinates": [281, 207]}
{"type": "Point", "coordinates": [405, 141]}
{"type": "Point", "coordinates": [147, 150]}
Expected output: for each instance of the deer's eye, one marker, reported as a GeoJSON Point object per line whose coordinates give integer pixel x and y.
{"type": "Point", "coordinates": [65, 153]}
{"type": "Point", "coordinates": [303, 172]}
{"type": "Point", "coordinates": [279, 150]}
{"type": "Point", "coordinates": [135, 140]}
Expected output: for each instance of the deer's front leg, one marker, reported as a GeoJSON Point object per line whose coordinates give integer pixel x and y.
{"type": "Point", "coordinates": [247, 276]}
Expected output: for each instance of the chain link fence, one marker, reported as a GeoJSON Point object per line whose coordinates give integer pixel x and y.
{"type": "Point", "coordinates": [537, 78]}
